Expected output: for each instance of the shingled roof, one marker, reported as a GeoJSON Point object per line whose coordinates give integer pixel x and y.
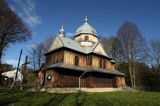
{"type": "Point", "coordinates": [82, 69]}
{"type": "Point", "coordinates": [74, 45]}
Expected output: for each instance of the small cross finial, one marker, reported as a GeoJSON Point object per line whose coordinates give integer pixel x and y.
{"type": "Point", "coordinates": [62, 32]}
{"type": "Point", "coordinates": [86, 19]}
{"type": "Point", "coordinates": [62, 29]}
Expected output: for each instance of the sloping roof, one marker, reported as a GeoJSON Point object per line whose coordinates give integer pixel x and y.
{"type": "Point", "coordinates": [74, 45]}
{"type": "Point", "coordinates": [70, 43]}
{"type": "Point", "coordinates": [82, 69]}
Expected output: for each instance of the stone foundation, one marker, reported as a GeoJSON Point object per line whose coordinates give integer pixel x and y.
{"type": "Point", "coordinates": [75, 90]}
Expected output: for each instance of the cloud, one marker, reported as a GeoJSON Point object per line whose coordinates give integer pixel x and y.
{"type": "Point", "coordinates": [26, 10]}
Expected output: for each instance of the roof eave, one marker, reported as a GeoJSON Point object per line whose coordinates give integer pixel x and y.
{"type": "Point", "coordinates": [78, 34]}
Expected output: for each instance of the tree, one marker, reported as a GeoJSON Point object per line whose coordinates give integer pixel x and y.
{"type": "Point", "coordinates": [32, 56]}
{"type": "Point", "coordinates": [150, 79]}
{"type": "Point", "coordinates": [12, 29]}
{"type": "Point", "coordinates": [112, 47]}
{"type": "Point", "coordinates": [3, 68]}
{"type": "Point", "coordinates": [154, 47]}
{"type": "Point", "coordinates": [40, 50]}
{"type": "Point", "coordinates": [47, 42]}
{"type": "Point", "coordinates": [37, 52]}
{"type": "Point", "coordinates": [133, 47]}
{"type": "Point", "coordinates": [36, 55]}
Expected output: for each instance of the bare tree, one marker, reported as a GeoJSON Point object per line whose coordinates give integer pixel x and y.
{"type": "Point", "coordinates": [12, 29]}
{"type": "Point", "coordinates": [133, 47]}
{"type": "Point", "coordinates": [32, 56]}
{"type": "Point", "coordinates": [37, 52]}
{"type": "Point", "coordinates": [112, 47]}
{"type": "Point", "coordinates": [154, 47]}
{"type": "Point", "coordinates": [40, 50]}
{"type": "Point", "coordinates": [48, 41]}
{"type": "Point", "coordinates": [36, 55]}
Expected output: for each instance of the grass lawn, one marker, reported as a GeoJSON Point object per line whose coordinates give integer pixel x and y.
{"type": "Point", "coordinates": [125, 98]}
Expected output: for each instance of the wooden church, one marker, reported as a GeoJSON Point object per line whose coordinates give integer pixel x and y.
{"type": "Point", "coordinates": [79, 62]}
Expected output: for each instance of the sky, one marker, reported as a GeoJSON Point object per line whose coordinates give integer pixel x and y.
{"type": "Point", "coordinates": [45, 17]}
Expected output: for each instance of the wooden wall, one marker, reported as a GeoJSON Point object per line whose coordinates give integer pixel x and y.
{"type": "Point", "coordinates": [120, 81]}
{"type": "Point", "coordinates": [70, 78]}
{"type": "Point", "coordinates": [94, 80]}
{"type": "Point", "coordinates": [95, 63]}
{"type": "Point", "coordinates": [112, 66]}
{"type": "Point", "coordinates": [62, 78]}
{"type": "Point", "coordinates": [41, 77]}
{"type": "Point", "coordinates": [70, 56]}
{"type": "Point", "coordinates": [55, 57]}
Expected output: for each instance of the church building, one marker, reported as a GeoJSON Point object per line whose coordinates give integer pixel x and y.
{"type": "Point", "coordinates": [79, 62]}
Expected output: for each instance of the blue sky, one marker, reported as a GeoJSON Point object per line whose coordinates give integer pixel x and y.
{"type": "Point", "coordinates": [45, 17]}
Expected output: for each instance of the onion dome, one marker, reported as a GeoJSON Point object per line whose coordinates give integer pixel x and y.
{"type": "Point", "coordinates": [86, 28]}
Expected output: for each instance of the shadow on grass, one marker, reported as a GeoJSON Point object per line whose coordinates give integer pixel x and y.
{"type": "Point", "coordinates": [83, 99]}
{"type": "Point", "coordinates": [103, 102]}
{"type": "Point", "coordinates": [80, 98]}
{"type": "Point", "coordinates": [55, 99]}
{"type": "Point", "coordinates": [9, 97]}
{"type": "Point", "coordinates": [9, 101]}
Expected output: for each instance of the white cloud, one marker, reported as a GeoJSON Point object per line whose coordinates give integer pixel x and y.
{"type": "Point", "coordinates": [26, 10]}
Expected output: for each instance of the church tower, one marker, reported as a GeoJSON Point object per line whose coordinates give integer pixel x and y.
{"type": "Point", "coordinates": [86, 35]}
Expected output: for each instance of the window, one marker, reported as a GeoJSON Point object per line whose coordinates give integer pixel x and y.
{"type": "Point", "coordinates": [86, 38]}
{"type": "Point", "coordinates": [89, 60]}
{"type": "Point", "coordinates": [102, 63]}
{"type": "Point", "coordinates": [49, 77]}
{"type": "Point", "coordinates": [76, 60]}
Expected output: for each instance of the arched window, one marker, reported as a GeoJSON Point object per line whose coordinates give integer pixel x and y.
{"type": "Point", "coordinates": [76, 60]}
{"type": "Point", "coordinates": [86, 38]}
{"type": "Point", "coordinates": [89, 60]}
{"type": "Point", "coordinates": [102, 63]}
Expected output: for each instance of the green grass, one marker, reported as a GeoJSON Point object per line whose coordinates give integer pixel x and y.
{"type": "Point", "coordinates": [18, 98]}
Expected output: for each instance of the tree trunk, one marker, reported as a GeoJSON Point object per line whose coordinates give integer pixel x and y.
{"type": "Point", "coordinates": [0, 57]}
{"type": "Point", "coordinates": [130, 72]}
{"type": "Point", "coordinates": [1, 53]}
{"type": "Point", "coordinates": [134, 76]}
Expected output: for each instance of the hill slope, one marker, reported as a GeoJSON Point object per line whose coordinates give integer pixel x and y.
{"type": "Point", "coordinates": [17, 98]}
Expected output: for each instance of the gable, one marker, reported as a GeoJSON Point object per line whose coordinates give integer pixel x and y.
{"type": "Point", "coordinates": [74, 45]}
{"type": "Point", "coordinates": [99, 49]}
{"type": "Point", "coordinates": [57, 43]}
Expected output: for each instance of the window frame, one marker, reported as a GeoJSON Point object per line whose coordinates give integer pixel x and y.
{"type": "Point", "coordinates": [86, 38]}
{"type": "Point", "coordinates": [76, 60]}
{"type": "Point", "coordinates": [102, 63]}
{"type": "Point", "coordinates": [89, 60]}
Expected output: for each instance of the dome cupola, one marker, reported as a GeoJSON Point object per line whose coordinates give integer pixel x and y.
{"type": "Point", "coordinates": [86, 28]}
{"type": "Point", "coordinates": [86, 35]}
